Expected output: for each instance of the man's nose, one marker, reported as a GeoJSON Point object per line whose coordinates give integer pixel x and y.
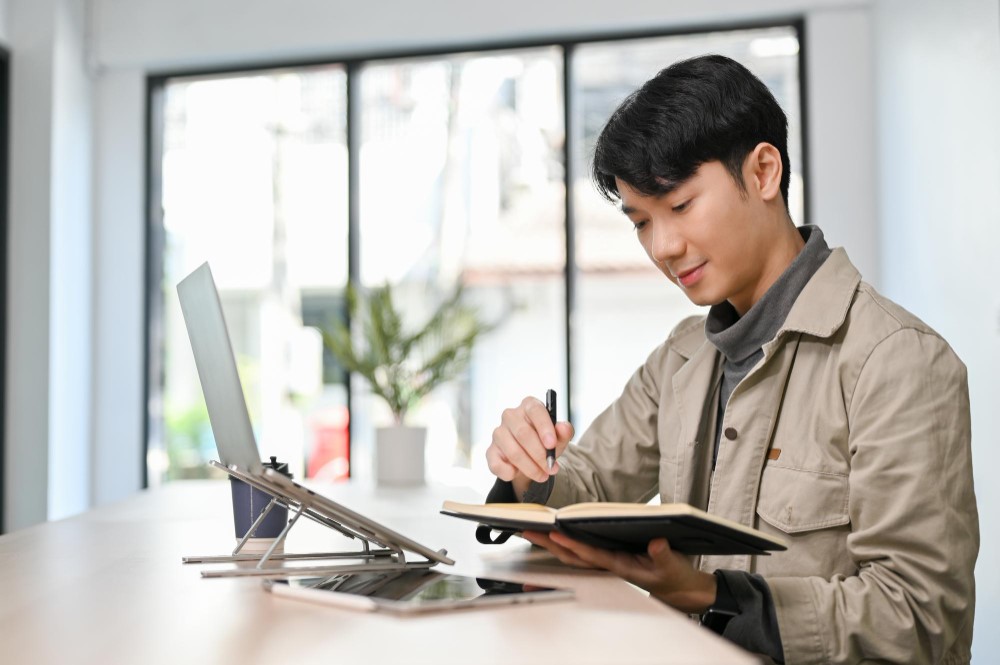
{"type": "Point", "coordinates": [666, 245]}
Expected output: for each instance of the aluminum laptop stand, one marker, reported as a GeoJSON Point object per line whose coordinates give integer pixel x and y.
{"type": "Point", "coordinates": [381, 548]}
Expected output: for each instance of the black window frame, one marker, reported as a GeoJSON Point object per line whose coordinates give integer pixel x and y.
{"type": "Point", "coordinates": [353, 62]}
{"type": "Point", "coordinates": [4, 174]}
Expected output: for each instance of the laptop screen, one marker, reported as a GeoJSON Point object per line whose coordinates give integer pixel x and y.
{"type": "Point", "coordinates": [213, 354]}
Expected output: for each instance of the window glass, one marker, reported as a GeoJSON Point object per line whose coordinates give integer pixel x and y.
{"type": "Point", "coordinates": [254, 181]}
{"type": "Point", "coordinates": [462, 181]}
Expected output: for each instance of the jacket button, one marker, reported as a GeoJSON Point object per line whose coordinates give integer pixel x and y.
{"type": "Point", "coordinates": [730, 433]}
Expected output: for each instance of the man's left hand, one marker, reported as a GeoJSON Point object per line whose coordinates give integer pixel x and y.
{"type": "Point", "coordinates": [666, 574]}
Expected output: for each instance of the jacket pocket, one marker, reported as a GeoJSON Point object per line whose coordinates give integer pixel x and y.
{"type": "Point", "coordinates": [796, 500]}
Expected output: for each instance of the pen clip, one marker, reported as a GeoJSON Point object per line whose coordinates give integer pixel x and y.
{"type": "Point", "coordinates": [550, 404]}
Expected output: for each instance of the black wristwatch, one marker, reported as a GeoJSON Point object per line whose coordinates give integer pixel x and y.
{"type": "Point", "coordinates": [721, 612]}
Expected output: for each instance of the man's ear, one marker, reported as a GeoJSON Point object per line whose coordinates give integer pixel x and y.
{"type": "Point", "coordinates": [762, 171]}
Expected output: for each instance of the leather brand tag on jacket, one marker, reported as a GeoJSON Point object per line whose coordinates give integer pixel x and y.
{"type": "Point", "coordinates": [774, 453]}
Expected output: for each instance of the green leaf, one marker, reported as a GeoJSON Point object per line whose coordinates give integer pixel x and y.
{"type": "Point", "coordinates": [403, 367]}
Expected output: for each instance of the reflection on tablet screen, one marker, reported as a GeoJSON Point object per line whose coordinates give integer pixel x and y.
{"type": "Point", "coordinates": [416, 586]}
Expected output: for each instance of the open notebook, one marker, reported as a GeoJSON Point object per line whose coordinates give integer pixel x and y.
{"type": "Point", "coordinates": [622, 526]}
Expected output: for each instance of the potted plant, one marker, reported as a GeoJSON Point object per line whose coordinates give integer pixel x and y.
{"type": "Point", "coordinates": [402, 366]}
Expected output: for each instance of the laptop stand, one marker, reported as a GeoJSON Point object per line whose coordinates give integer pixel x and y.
{"type": "Point", "coordinates": [381, 549]}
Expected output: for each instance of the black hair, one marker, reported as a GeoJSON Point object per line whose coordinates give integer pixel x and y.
{"type": "Point", "coordinates": [695, 111]}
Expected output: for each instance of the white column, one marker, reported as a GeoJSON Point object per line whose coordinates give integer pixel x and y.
{"type": "Point", "coordinates": [70, 347]}
{"type": "Point", "coordinates": [49, 351]}
{"type": "Point", "coordinates": [119, 283]}
{"type": "Point", "coordinates": [31, 29]}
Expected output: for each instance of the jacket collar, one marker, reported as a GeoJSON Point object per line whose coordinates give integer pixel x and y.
{"type": "Point", "coordinates": [689, 337]}
{"type": "Point", "coordinates": [822, 306]}
{"type": "Point", "coordinates": [820, 309]}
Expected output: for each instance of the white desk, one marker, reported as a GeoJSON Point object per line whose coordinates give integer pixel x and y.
{"type": "Point", "coordinates": [108, 586]}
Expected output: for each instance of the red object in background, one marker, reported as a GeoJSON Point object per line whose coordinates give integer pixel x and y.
{"type": "Point", "coordinates": [330, 457]}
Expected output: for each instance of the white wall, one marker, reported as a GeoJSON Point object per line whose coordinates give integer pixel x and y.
{"type": "Point", "coordinates": [841, 117]}
{"type": "Point", "coordinates": [157, 33]}
{"type": "Point", "coordinates": [938, 69]}
{"type": "Point", "coordinates": [4, 38]}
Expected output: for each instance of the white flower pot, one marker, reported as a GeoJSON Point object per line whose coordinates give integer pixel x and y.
{"type": "Point", "coordinates": [399, 455]}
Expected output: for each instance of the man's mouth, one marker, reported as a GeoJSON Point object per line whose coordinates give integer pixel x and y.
{"type": "Point", "coordinates": [691, 275]}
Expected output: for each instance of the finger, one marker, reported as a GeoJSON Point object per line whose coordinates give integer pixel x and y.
{"type": "Point", "coordinates": [499, 465]}
{"type": "Point", "coordinates": [564, 432]}
{"type": "Point", "coordinates": [594, 556]}
{"type": "Point", "coordinates": [661, 558]}
{"type": "Point", "coordinates": [522, 428]}
{"type": "Point", "coordinates": [635, 568]}
{"type": "Point", "coordinates": [659, 549]}
{"type": "Point", "coordinates": [570, 559]}
{"type": "Point", "coordinates": [514, 452]}
{"type": "Point", "coordinates": [536, 538]}
{"type": "Point", "coordinates": [540, 419]}
{"type": "Point", "coordinates": [561, 553]}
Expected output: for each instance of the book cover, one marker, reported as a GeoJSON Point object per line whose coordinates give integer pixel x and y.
{"type": "Point", "coordinates": [624, 526]}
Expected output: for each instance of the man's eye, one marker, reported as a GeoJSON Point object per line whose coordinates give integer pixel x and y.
{"type": "Point", "coordinates": [638, 226]}
{"type": "Point", "coordinates": [681, 207]}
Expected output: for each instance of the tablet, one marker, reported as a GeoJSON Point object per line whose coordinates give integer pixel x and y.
{"type": "Point", "coordinates": [411, 591]}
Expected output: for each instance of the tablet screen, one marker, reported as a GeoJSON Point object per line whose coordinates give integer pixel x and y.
{"type": "Point", "coordinates": [422, 588]}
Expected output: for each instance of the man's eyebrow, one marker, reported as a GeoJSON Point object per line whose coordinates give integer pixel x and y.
{"type": "Point", "coordinates": [668, 187]}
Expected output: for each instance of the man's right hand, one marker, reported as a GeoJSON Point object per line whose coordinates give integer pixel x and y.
{"type": "Point", "coordinates": [526, 433]}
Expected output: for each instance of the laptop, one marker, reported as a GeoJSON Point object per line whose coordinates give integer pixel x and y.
{"type": "Point", "coordinates": [230, 420]}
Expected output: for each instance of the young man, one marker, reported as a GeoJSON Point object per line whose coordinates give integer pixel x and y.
{"type": "Point", "coordinates": [804, 404]}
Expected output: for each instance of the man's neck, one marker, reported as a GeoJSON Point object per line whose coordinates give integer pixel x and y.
{"type": "Point", "coordinates": [786, 245]}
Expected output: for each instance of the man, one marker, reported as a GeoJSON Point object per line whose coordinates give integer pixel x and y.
{"type": "Point", "coordinates": [804, 404]}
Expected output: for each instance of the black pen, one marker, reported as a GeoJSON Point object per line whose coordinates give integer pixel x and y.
{"type": "Point", "coordinates": [550, 406]}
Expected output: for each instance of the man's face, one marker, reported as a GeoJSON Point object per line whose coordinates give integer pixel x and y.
{"type": "Point", "coordinates": [707, 236]}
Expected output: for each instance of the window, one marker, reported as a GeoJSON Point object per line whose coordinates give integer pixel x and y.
{"type": "Point", "coordinates": [254, 180]}
{"type": "Point", "coordinates": [457, 163]}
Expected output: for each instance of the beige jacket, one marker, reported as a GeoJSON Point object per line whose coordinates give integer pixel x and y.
{"type": "Point", "coordinates": [872, 487]}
